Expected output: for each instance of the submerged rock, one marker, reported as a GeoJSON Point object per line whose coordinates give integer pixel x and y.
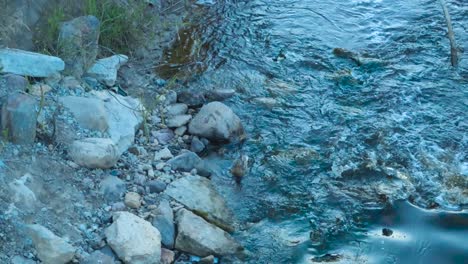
{"type": "Point", "coordinates": [78, 44]}
{"type": "Point", "coordinates": [198, 237]}
{"type": "Point", "coordinates": [19, 118]}
{"type": "Point", "coordinates": [51, 249]}
{"type": "Point", "coordinates": [29, 63]}
{"type": "Point", "coordinates": [198, 194]}
{"type": "Point", "coordinates": [94, 153]}
{"type": "Point", "coordinates": [217, 122]}
{"type": "Point", "coordinates": [105, 70]}
{"type": "Point", "coordinates": [134, 240]}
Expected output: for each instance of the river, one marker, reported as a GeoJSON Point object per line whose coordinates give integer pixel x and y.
{"type": "Point", "coordinates": [356, 121]}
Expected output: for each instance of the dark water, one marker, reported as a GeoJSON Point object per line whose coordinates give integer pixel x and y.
{"type": "Point", "coordinates": [348, 137]}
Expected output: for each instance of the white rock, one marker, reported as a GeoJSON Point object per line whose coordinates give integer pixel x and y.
{"type": "Point", "coordinates": [23, 197]}
{"type": "Point", "coordinates": [29, 63]}
{"type": "Point", "coordinates": [216, 121]}
{"type": "Point", "coordinates": [163, 154]}
{"type": "Point", "coordinates": [51, 249]}
{"type": "Point", "coordinates": [200, 238]}
{"type": "Point", "coordinates": [178, 121]}
{"type": "Point", "coordinates": [134, 240]}
{"type": "Point", "coordinates": [133, 200]}
{"type": "Point", "coordinates": [105, 70]}
{"type": "Point", "coordinates": [89, 112]}
{"type": "Point", "coordinates": [94, 153]}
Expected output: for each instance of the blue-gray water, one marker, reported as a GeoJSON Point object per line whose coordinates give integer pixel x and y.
{"type": "Point", "coordinates": [349, 139]}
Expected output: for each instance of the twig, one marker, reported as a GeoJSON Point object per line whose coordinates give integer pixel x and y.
{"type": "Point", "coordinates": [451, 36]}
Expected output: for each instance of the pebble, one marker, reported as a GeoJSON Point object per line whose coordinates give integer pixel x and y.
{"type": "Point", "coordinates": [133, 200]}
{"type": "Point", "coordinates": [163, 154]}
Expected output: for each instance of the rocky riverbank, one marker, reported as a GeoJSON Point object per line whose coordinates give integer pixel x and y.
{"type": "Point", "coordinates": [92, 174]}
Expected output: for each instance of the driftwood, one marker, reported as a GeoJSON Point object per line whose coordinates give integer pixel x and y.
{"type": "Point", "coordinates": [451, 36]}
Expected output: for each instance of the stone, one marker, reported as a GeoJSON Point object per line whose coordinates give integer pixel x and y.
{"type": "Point", "coordinates": [23, 197]}
{"type": "Point", "coordinates": [78, 44]}
{"type": "Point", "coordinates": [217, 122]}
{"type": "Point", "coordinates": [164, 136]}
{"type": "Point", "coordinates": [134, 240]}
{"type": "Point", "coordinates": [15, 83]}
{"type": "Point", "coordinates": [185, 161]}
{"type": "Point", "coordinates": [163, 220]}
{"type": "Point", "coordinates": [198, 194]}
{"type": "Point", "coordinates": [167, 256]}
{"type": "Point", "coordinates": [125, 116]}
{"type": "Point", "coordinates": [97, 257]}
{"type": "Point", "coordinates": [19, 118]}
{"type": "Point", "coordinates": [94, 153]}
{"type": "Point", "coordinates": [90, 113]}
{"type": "Point", "coordinates": [207, 260]}
{"type": "Point", "coordinates": [198, 237]}
{"type": "Point", "coordinates": [156, 186]}
{"type": "Point", "coordinates": [50, 248]}
{"type": "Point", "coordinates": [132, 200]}
{"type": "Point", "coordinates": [178, 121]}
{"type": "Point", "coordinates": [21, 260]}
{"type": "Point", "coordinates": [268, 102]}
{"type": "Point", "coordinates": [39, 89]}
{"type": "Point", "coordinates": [197, 145]}
{"type": "Point", "coordinates": [176, 109]}
{"type": "Point", "coordinates": [27, 63]}
{"type": "Point", "coordinates": [163, 154]}
{"type": "Point", "coordinates": [220, 94]}
{"type": "Point", "coordinates": [105, 70]}
{"type": "Point", "coordinates": [112, 188]}
{"type": "Point", "coordinates": [70, 82]}
{"type": "Point", "coordinates": [180, 131]}
{"type": "Point", "coordinates": [191, 98]}
{"type": "Point", "coordinates": [171, 98]}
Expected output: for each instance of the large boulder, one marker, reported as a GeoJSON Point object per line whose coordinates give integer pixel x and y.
{"type": "Point", "coordinates": [89, 112]}
{"type": "Point", "coordinates": [105, 70]}
{"type": "Point", "coordinates": [29, 63]}
{"type": "Point", "coordinates": [134, 240]}
{"type": "Point", "coordinates": [78, 44]}
{"type": "Point", "coordinates": [217, 122]}
{"type": "Point", "coordinates": [19, 118]}
{"type": "Point", "coordinates": [200, 238]}
{"type": "Point", "coordinates": [94, 153]}
{"type": "Point", "coordinates": [51, 249]}
{"type": "Point", "coordinates": [198, 194]}
{"type": "Point", "coordinates": [164, 221]}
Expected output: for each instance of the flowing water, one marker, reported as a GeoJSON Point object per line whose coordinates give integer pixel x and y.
{"type": "Point", "coordinates": [364, 127]}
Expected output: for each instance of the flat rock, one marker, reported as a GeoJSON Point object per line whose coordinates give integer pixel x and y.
{"type": "Point", "coordinates": [217, 122]}
{"type": "Point", "coordinates": [178, 121]}
{"type": "Point", "coordinates": [105, 70]}
{"type": "Point", "coordinates": [134, 240]}
{"type": "Point", "coordinates": [186, 161]}
{"type": "Point", "coordinates": [198, 194]}
{"type": "Point", "coordinates": [94, 153]}
{"type": "Point", "coordinates": [51, 249]}
{"type": "Point", "coordinates": [90, 113]}
{"type": "Point", "coordinates": [164, 221]}
{"type": "Point", "coordinates": [29, 63]}
{"type": "Point", "coordinates": [200, 238]}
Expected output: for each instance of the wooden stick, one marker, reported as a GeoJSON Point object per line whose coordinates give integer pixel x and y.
{"type": "Point", "coordinates": [451, 36]}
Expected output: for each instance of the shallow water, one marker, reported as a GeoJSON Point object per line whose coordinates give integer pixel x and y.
{"type": "Point", "coordinates": [347, 137]}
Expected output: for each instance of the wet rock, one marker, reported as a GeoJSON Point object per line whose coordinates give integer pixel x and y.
{"type": "Point", "coordinates": [198, 195]}
{"type": "Point", "coordinates": [387, 232]}
{"type": "Point", "coordinates": [50, 248]}
{"type": "Point", "coordinates": [216, 121]}
{"type": "Point", "coordinates": [268, 102]}
{"type": "Point", "coordinates": [185, 161]}
{"type": "Point", "coordinates": [177, 109]}
{"type": "Point", "coordinates": [164, 221]}
{"type": "Point", "coordinates": [112, 188]}
{"type": "Point", "coordinates": [191, 98]}
{"type": "Point", "coordinates": [198, 237]}
{"type": "Point", "coordinates": [134, 240]}
{"type": "Point", "coordinates": [19, 118]}
{"type": "Point", "coordinates": [167, 256]}
{"type": "Point", "coordinates": [97, 257]}
{"type": "Point", "coordinates": [156, 186]}
{"type": "Point", "coordinates": [164, 136]}
{"type": "Point", "coordinates": [132, 200]}
{"type": "Point", "coordinates": [197, 145]}
{"type": "Point", "coordinates": [94, 153]}
{"type": "Point", "coordinates": [27, 63]}
{"type": "Point", "coordinates": [178, 121]}
{"type": "Point", "coordinates": [90, 113]}
{"type": "Point", "coordinates": [163, 154]}
{"type": "Point", "coordinates": [78, 44]}
{"type": "Point", "coordinates": [105, 70]}
{"type": "Point", "coordinates": [220, 94]}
